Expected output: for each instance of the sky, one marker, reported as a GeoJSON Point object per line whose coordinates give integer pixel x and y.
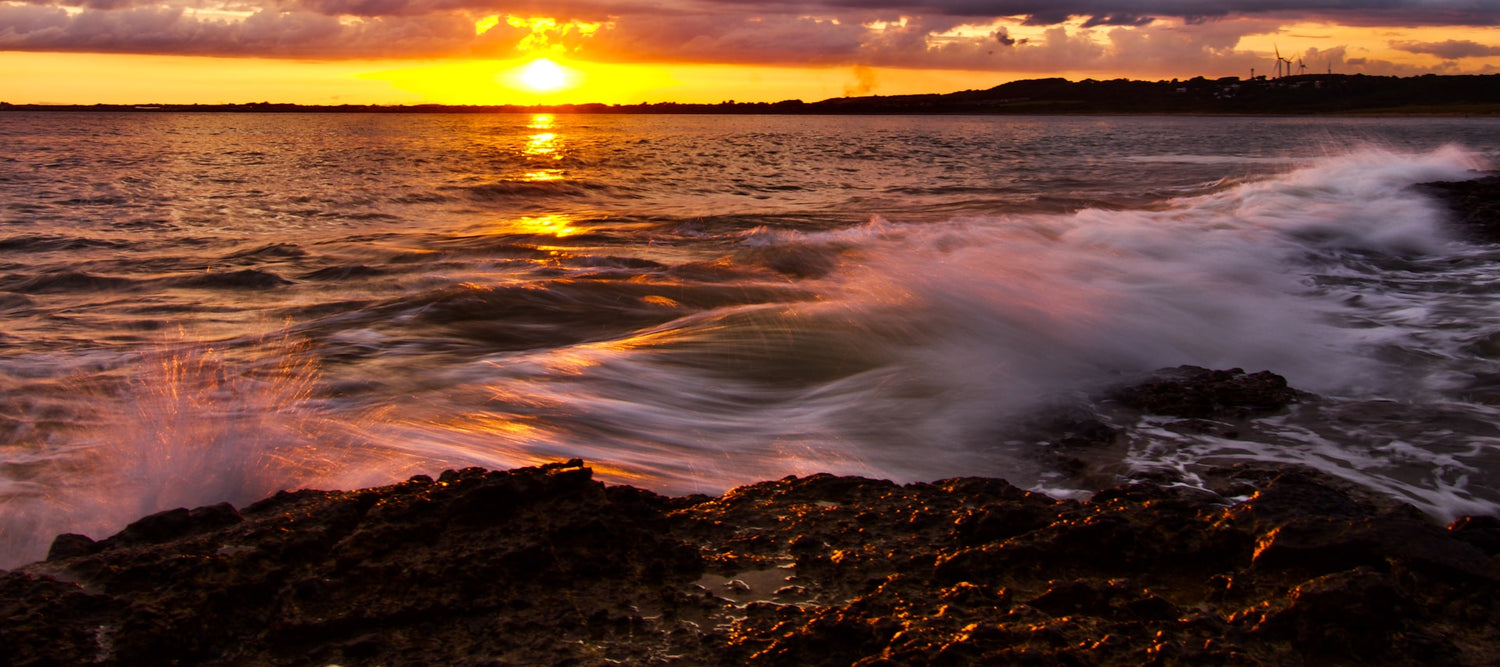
{"type": "Point", "coordinates": [487, 51]}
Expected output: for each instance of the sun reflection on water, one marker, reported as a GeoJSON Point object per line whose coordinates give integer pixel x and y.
{"type": "Point", "coordinates": [543, 175]}
{"type": "Point", "coordinates": [556, 225]}
{"type": "Point", "coordinates": [544, 144]}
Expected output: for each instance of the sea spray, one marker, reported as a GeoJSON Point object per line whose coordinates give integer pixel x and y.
{"type": "Point", "coordinates": [699, 302]}
{"type": "Point", "coordinates": [181, 426]}
{"type": "Point", "coordinates": [930, 340]}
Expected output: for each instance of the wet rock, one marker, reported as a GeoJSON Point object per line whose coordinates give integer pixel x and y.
{"type": "Point", "coordinates": [1475, 205]}
{"type": "Point", "coordinates": [1001, 522]}
{"type": "Point", "coordinates": [547, 566]}
{"type": "Point", "coordinates": [1073, 428]}
{"type": "Point", "coordinates": [173, 524]}
{"type": "Point", "coordinates": [1078, 597]}
{"type": "Point", "coordinates": [69, 545]}
{"type": "Point", "coordinates": [1481, 531]}
{"type": "Point", "coordinates": [1200, 393]}
{"type": "Point", "coordinates": [1350, 614]}
{"type": "Point", "coordinates": [1321, 545]}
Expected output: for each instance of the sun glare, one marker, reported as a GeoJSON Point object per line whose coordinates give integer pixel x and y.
{"type": "Point", "coordinates": [543, 75]}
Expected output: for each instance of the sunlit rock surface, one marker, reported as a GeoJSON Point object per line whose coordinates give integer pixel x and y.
{"type": "Point", "coordinates": [546, 566]}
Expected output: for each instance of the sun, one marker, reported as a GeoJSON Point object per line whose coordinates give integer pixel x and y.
{"type": "Point", "coordinates": [543, 75]}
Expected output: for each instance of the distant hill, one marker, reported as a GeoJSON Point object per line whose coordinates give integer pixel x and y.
{"type": "Point", "coordinates": [1303, 94]}
{"type": "Point", "coordinates": [1310, 93]}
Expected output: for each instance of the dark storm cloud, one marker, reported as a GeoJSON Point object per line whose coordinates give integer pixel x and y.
{"type": "Point", "coordinates": [1118, 19]}
{"type": "Point", "coordinates": [1036, 12]}
{"type": "Point", "coordinates": [367, 7]}
{"type": "Point", "coordinates": [1452, 49]}
{"type": "Point", "coordinates": [1043, 12]}
{"type": "Point", "coordinates": [771, 39]}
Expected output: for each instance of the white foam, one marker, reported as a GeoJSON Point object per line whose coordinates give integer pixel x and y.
{"type": "Point", "coordinates": [931, 336]}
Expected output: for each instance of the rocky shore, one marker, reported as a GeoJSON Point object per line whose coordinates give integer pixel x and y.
{"type": "Point", "coordinates": [545, 565]}
{"type": "Point", "coordinates": [1475, 205]}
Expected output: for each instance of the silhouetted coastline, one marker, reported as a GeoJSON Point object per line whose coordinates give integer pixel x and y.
{"type": "Point", "coordinates": [1333, 94]}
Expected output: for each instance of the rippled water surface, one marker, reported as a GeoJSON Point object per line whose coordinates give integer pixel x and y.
{"type": "Point", "coordinates": [207, 307]}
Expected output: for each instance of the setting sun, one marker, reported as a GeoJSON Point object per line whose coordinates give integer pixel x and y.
{"type": "Point", "coordinates": [543, 75]}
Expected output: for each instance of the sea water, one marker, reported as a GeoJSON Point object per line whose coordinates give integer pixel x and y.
{"type": "Point", "coordinates": [202, 307]}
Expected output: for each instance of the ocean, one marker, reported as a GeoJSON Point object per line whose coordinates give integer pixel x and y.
{"type": "Point", "coordinates": [206, 307]}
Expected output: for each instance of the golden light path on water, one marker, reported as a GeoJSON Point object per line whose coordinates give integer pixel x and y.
{"type": "Point", "coordinates": [544, 145]}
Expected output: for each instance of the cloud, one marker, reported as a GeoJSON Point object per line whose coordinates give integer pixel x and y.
{"type": "Point", "coordinates": [704, 38]}
{"type": "Point", "coordinates": [1118, 19]}
{"type": "Point", "coordinates": [1452, 49]}
{"type": "Point", "coordinates": [1144, 38]}
{"type": "Point", "coordinates": [266, 33]}
{"type": "Point", "coordinates": [1108, 12]}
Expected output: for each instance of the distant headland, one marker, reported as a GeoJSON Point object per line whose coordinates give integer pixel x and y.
{"type": "Point", "coordinates": [1337, 94]}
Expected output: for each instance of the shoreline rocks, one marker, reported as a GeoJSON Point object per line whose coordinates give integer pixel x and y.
{"type": "Point", "coordinates": [545, 565]}
{"type": "Point", "coordinates": [1475, 204]}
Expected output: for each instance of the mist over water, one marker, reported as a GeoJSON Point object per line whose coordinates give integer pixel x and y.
{"type": "Point", "coordinates": [199, 308]}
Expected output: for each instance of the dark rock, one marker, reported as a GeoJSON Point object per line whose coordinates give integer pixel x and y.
{"type": "Point", "coordinates": [1475, 205]}
{"type": "Point", "coordinates": [1200, 393]}
{"type": "Point", "coordinates": [1001, 522]}
{"type": "Point", "coordinates": [1340, 616]}
{"type": "Point", "coordinates": [1322, 545]}
{"type": "Point", "coordinates": [547, 566]}
{"type": "Point", "coordinates": [1294, 493]}
{"type": "Point", "coordinates": [1152, 608]}
{"type": "Point", "coordinates": [1077, 597]}
{"type": "Point", "coordinates": [1481, 531]}
{"type": "Point", "coordinates": [1071, 429]}
{"type": "Point", "coordinates": [69, 545]}
{"type": "Point", "coordinates": [174, 524]}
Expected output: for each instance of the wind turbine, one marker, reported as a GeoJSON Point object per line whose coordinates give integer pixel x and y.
{"type": "Point", "coordinates": [1278, 62]}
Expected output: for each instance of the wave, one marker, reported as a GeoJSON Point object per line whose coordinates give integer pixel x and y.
{"type": "Point", "coordinates": [15, 301]}
{"type": "Point", "coordinates": [270, 251]}
{"type": "Point", "coordinates": [242, 279]}
{"type": "Point", "coordinates": [524, 191]}
{"type": "Point", "coordinates": [65, 281]}
{"type": "Point", "coordinates": [344, 272]}
{"type": "Point", "coordinates": [52, 243]}
{"type": "Point", "coordinates": [902, 350]}
{"type": "Point", "coordinates": [926, 343]}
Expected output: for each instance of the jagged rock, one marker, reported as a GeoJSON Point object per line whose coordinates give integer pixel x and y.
{"type": "Point", "coordinates": [69, 545]}
{"type": "Point", "coordinates": [1200, 393]}
{"type": "Point", "coordinates": [173, 524]}
{"type": "Point", "coordinates": [1481, 531]}
{"type": "Point", "coordinates": [546, 566]}
{"type": "Point", "coordinates": [1475, 204]}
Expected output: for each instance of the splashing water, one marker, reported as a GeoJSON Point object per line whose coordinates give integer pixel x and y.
{"type": "Point", "coordinates": [180, 426]}
{"type": "Point", "coordinates": [932, 337]}
{"type": "Point", "coordinates": [711, 306]}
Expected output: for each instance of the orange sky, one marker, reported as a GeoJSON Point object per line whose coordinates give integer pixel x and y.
{"type": "Point", "coordinates": [477, 51]}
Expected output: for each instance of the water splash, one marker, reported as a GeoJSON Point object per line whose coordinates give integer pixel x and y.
{"type": "Point", "coordinates": [926, 342]}
{"type": "Point", "coordinates": [183, 425]}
